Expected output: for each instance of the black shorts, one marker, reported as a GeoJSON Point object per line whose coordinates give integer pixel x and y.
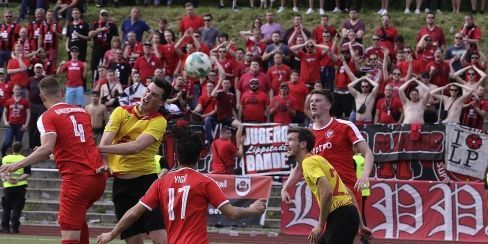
{"type": "Point", "coordinates": [342, 226]}
{"type": "Point", "coordinates": [126, 194]}
{"type": "Point", "coordinates": [227, 121]}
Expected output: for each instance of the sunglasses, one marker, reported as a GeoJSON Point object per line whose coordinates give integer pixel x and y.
{"type": "Point", "coordinates": [454, 90]}
{"type": "Point", "coordinates": [475, 57]}
{"type": "Point", "coordinates": [206, 19]}
{"type": "Point", "coordinates": [428, 40]}
{"type": "Point", "coordinates": [470, 73]}
{"type": "Point", "coordinates": [104, 15]}
{"type": "Point", "coordinates": [309, 46]}
{"type": "Point", "coordinates": [396, 74]}
{"type": "Point", "coordinates": [459, 37]}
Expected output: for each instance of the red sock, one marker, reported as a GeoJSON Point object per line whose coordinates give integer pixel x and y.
{"type": "Point", "coordinates": [84, 236]}
{"type": "Point", "coordinates": [70, 242]}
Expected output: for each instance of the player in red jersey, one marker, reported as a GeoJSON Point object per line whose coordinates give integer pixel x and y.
{"type": "Point", "coordinates": [66, 131]}
{"type": "Point", "coordinates": [334, 140]}
{"type": "Point", "coordinates": [183, 196]}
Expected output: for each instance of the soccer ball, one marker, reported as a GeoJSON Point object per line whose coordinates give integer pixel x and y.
{"type": "Point", "coordinates": [197, 65]}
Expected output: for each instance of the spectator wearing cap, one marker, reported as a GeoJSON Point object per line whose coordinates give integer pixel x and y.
{"type": "Point", "coordinates": [243, 85]}
{"type": "Point", "coordinates": [77, 35]}
{"type": "Point", "coordinates": [102, 32]}
{"type": "Point", "coordinates": [208, 32]}
{"type": "Point", "coordinates": [282, 107]}
{"type": "Point", "coordinates": [147, 63]}
{"type": "Point", "coordinates": [10, 33]}
{"type": "Point", "coordinates": [17, 68]}
{"type": "Point", "coordinates": [224, 153]}
{"type": "Point", "coordinates": [76, 71]}
{"type": "Point", "coordinates": [49, 41]}
{"type": "Point", "coordinates": [191, 21]}
{"type": "Point", "coordinates": [49, 66]}
{"type": "Point", "coordinates": [254, 104]}
{"type": "Point", "coordinates": [37, 106]}
{"type": "Point", "coordinates": [5, 90]}
{"type": "Point", "coordinates": [453, 53]}
{"type": "Point", "coordinates": [435, 32]}
{"type": "Point", "coordinates": [134, 24]}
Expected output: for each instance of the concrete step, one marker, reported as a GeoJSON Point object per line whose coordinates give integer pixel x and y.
{"type": "Point", "coordinates": [101, 206]}
{"type": "Point", "coordinates": [35, 182]}
{"type": "Point", "coordinates": [42, 194]}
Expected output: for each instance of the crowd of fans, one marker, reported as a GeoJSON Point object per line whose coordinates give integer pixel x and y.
{"type": "Point", "coordinates": [266, 80]}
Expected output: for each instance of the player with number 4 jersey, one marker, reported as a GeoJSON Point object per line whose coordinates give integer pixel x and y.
{"type": "Point", "coordinates": [183, 196]}
{"type": "Point", "coordinates": [66, 131]}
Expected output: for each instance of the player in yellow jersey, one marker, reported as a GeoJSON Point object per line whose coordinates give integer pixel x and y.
{"type": "Point", "coordinates": [338, 207]}
{"type": "Point", "coordinates": [131, 138]}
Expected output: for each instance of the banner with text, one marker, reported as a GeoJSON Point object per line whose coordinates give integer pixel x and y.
{"type": "Point", "coordinates": [414, 210]}
{"type": "Point", "coordinates": [401, 142]}
{"type": "Point", "coordinates": [264, 149]}
{"type": "Point", "coordinates": [241, 191]}
{"type": "Point", "coordinates": [466, 151]}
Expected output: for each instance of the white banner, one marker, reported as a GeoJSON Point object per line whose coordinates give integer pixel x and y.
{"type": "Point", "coordinates": [466, 150]}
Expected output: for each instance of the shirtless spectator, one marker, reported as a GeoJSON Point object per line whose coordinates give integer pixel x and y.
{"type": "Point", "coordinates": [98, 115]}
{"type": "Point", "coordinates": [453, 104]}
{"type": "Point", "coordinates": [389, 109]}
{"type": "Point", "coordinates": [413, 106]}
{"type": "Point", "coordinates": [110, 91]}
{"type": "Point", "coordinates": [472, 81]}
{"type": "Point", "coordinates": [364, 99]}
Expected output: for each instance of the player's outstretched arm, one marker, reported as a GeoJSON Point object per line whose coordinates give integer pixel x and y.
{"type": "Point", "coordinates": [41, 153]}
{"type": "Point", "coordinates": [127, 220]}
{"type": "Point", "coordinates": [294, 177]}
{"type": "Point", "coordinates": [235, 213]}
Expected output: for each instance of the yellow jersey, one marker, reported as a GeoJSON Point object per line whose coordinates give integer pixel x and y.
{"type": "Point", "coordinates": [314, 167]}
{"type": "Point", "coordinates": [128, 124]}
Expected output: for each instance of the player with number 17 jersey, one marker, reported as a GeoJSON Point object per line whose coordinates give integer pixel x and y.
{"type": "Point", "coordinates": [75, 151]}
{"type": "Point", "coordinates": [183, 196]}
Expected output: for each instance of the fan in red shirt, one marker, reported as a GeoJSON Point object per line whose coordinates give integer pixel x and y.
{"type": "Point", "coordinates": [224, 153]}
{"type": "Point", "coordinates": [147, 63]}
{"type": "Point", "coordinates": [387, 34]}
{"type": "Point", "coordinates": [317, 33]}
{"type": "Point", "coordinates": [66, 131]}
{"type": "Point", "coordinates": [255, 104]}
{"type": "Point", "coordinates": [309, 61]}
{"type": "Point", "coordinates": [388, 108]}
{"type": "Point", "coordinates": [438, 69]}
{"type": "Point", "coordinates": [132, 48]}
{"type": "Point", "coordinates": [282, 107]}
{"type": "Point", "coordinates": [425, 51]}
{"type": "Point", "coordinates": [278, 73]}
{"type": "Point", "coordinates": [298, 92]}
{"type": "Point", "coordinates": [17, 67]}
{"type": "Point", "coordinates": [183, 196]}
{"type": "Point", "coordinates": [16, 116]}
{"type": "Point", "coordinates": [168, 54]}
{"type": "Point", "coordinates": [5, 89]}
{"type": "Point", "coordinates": [334, 140]}
{"type": "Point", "coordinates": [9, 33]}
{"type": "Point", "coordinates": [434, 31]}
{"type": "Point", "coordinates": [190, 21]}
{"type": "Point", "coordinates": [243, 84]}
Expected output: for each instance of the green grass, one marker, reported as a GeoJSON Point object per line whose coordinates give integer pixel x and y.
{"type": "Point", "coordinates": [24, 239]}
{"type": "Point", "coordinates": [232, 22]}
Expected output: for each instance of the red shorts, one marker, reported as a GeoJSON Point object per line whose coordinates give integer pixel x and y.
{"type": "Point", "coordinates": [78, 193]}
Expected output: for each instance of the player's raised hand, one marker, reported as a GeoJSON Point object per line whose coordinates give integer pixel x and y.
{"type": "Point", "coordinates": [259, 205]}
{"type": "Point", "coordinates": [105, 238]}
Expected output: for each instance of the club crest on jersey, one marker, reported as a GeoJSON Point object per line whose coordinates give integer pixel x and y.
{"type": "Point", "coordinates": [242, 185]}
{"type": "Point", "coordinates": [329, 133]}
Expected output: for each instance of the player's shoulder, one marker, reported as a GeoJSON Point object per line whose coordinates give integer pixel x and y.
{"type": "Point", "coordinates": [341, 123]}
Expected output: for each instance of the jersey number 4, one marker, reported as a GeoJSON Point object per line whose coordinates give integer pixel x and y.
{"type": "Point", "coordinates": [336, 192]}
{"type": "Point", "coordinates": [171, 198]}
{"type": "Point", "coordinates": [78, 129]}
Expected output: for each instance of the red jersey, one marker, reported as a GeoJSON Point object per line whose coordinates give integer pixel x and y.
{"type": "Point", "coordinates": [74, 73]}
{"type": "Point", "coordinates": [195, 22]}
{"type": "Point", "coordinates": [298, 93]}
{"type": "Point", "coordinates": [254, 106]}
{"type": "Point", "coordinates": [136, 48]}
{"type": "Point", "coordinates": [51, 39]}
{"type": "Point", "coordinates": [440, 76]}
{"type": "Point", "coordinates": [9, 34]}
{"type": "Point", "coordinates": [29, 46]}
{"type": "Point", "coordinates": [35, 30]}
{"type": "Point", "coordinates": [342, 80]}
{"type": "Point", "coordinates": [223, 153]}
{"type": "Point", "coordinates": [310, 66]}
{"type": "Point", "coordinates": [281, 114]}
{"type": "Point", "coordinates": [334, 142]}
{"type": "Point", "coordinates": [387, 37]}
{"type": "Point", "coordinates": [170, 58]}
{"type": "Point", "coordinates": [208, 103]}
{"type": "Point", "coordinates": [387, 109]}
{"type": "Point", "coordinates": [470, 117]}
{"type": "Point", "coordinates": [183, 196]}
{"type": "Point", "coordinates": [5, 92]}
{"type": "Point", "coordinates": [278, 74]}
{"type": "Point", "coordinates": [226, 103]}
{"type": "Point", "coordinates": [146, 67]}
{"type": "Point", "coordinates": [436, 34]}
{"type": "Point", "coordinates": [326, 61]}
{"type": "Point", "coordinates": [425, 55]}
{"type": "Point", "coordinates": [20, 78]}
{"type": "Point", "coordinates": [75, 151]}
{"type": "Point", "coordinates": [17, 110]}
{"type": "Point", "coordinates": [257, 48]}
{"type": "Point", "coordinates": [374, 50]}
